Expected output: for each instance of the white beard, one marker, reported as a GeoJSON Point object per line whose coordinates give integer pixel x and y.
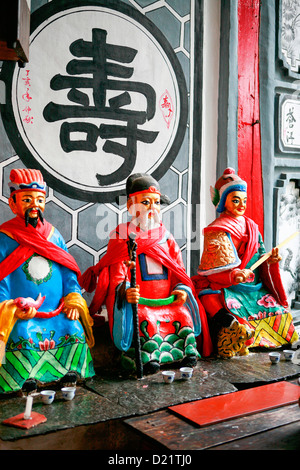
{"type": "Point", "coordinates": [148, 223]}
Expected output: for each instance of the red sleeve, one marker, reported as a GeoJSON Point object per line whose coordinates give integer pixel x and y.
{"type": "Point", "coordinates": [270, 274]}
{"type": "Point", "coordinates": [176, 255]}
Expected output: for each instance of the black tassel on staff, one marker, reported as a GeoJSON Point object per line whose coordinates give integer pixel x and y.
{"type": "Point", "coordinates": [132, 246]}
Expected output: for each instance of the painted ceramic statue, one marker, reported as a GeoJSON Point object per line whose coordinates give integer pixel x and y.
{"type": "Point", "coordinates": [233, 295]}
{"type": "Point", "coordinates": [170, 317]}
{"type": "Point", "coordinates": [44, 321]}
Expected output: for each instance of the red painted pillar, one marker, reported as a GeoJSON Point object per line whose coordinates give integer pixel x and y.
{"type": "Point", "coordinates": [249, 146]}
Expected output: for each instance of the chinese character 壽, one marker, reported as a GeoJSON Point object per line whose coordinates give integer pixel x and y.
{"type": "Point", "coordinates": [105, 63]}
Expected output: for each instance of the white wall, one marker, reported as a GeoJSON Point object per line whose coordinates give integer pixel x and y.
{"type": "Point", "coordinates": [211, 49]}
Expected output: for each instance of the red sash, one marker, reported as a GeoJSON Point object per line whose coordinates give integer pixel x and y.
{"type": "Point", "coordinates": [32, 240]}
{"type": "Point", "coordinates": [117, 251]}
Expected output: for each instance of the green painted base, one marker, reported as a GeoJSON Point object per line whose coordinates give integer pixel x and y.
{"type": "Point", "coordinates": [44, 366]}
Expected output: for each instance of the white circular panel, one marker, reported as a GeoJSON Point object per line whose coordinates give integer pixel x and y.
{"type": "Point", "coordinates": [102, 96]}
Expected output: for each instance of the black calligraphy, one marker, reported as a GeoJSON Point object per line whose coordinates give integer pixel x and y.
{"type": "Point", "coordinates": [290, 119]}
{"type": "Point", "coordinates": [28, 119]}
{"type": "Point", "coordinates": [105, 63]}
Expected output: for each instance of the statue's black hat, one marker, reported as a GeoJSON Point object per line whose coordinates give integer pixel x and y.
{"type": "Point", "coordinates": [142, 182]}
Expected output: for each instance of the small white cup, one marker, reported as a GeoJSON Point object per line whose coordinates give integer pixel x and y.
{"type": "Point", "coordinates": [48, 396]}
{"type": "Point", "coordinates": [186, 372]}
{"type": "Point", "coordinates": [274, 357]}
{"type": "Point", "coordinates": [168, 376]}
{"type": "Point", "coordinates": [288, 354]}
{"type": "Point", "coordinates": [68, 393]}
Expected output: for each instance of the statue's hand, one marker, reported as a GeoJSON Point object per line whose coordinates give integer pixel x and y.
{"type": "Point", "coordinates": [23, 314]}
{"type": "Point", "coordinates": [133, 295]}
{"type": "Point", "coordinates": [72, 313]}
{"type": "Point", "coordinates": [241, 275]}
{"type": "Point", "coordinates": [129, 264]}
{"type": "Point", "coordinates": [275, 256]}
{"type": "Point", "coordinates": [180, 295]}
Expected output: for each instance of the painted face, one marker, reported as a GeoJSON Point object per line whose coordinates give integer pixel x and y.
{"type": "Point", "coordinates": [236, 203]}
{"type": "Point", "coordinates": [32, 200]}
{"type": "Point", "coordinates": [145, 209]}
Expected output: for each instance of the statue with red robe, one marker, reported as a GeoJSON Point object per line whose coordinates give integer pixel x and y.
{"type": "Point", "coordinates": [228, 289]}
{"type": "Point", "coordinates": [170, 316]}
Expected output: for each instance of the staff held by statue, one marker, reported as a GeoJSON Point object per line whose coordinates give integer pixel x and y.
{"type": "Point", "coordinates": [132, 246]}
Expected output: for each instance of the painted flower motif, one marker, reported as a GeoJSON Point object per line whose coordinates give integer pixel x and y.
{"type": "Point", "coordinates": [46, 344]}
{"type": "Point", "coordinates": [262, 315]}
{"type": "Point", "coordinates": [233, 303]}
{"type": "Point", "coordinates": [257, 316]}
{"type": "Point", "coordinates": [267, 301]}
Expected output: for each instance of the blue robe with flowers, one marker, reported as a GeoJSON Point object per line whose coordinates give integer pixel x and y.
{"type": "Point", "coordinates": [42, 348]}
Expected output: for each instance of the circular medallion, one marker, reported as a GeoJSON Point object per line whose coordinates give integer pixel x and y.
{"type": "Point", "coordinates": [38, 269]}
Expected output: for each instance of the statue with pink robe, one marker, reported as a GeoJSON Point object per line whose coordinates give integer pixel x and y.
{"type": "Point", "coordinates": [231, 292]}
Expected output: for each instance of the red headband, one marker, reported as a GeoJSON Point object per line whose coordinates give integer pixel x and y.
{"type": "Point", "coordinates": [151, 189]}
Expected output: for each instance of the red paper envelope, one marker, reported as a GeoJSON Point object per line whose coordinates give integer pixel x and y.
{"type": "Point", "coordinates": [236, 404]}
